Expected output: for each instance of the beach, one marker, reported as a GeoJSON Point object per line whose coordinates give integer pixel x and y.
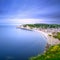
{"type": "Point", "coordinates": [50, 39]}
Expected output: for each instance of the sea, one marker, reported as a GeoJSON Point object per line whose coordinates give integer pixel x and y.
{"type": "Point", "coordinates": [20, 44]}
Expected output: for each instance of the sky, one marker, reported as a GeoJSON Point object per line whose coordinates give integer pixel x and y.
{"type": "Point", "coordinates": [29, 11]}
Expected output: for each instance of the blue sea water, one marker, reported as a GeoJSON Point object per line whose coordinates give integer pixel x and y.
{"type": "Point", "coordinates": [18, 44]}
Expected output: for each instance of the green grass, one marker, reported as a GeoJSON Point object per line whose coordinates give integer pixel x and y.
{"type": "Point", "coordinates": [57, 35]}
{"type": "Point", "coordinates": [53, 53]}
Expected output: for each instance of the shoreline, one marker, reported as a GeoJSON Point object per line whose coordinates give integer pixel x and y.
{"type": "Point", "coordinates": [46, 34]}
{"type": "Point", "coordinates": [50, 39]}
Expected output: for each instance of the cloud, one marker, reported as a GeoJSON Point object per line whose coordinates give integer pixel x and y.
{"type": "Point", "coordinates": [29, 9]}
{"type": "Point", "coordinates": [21, 21]}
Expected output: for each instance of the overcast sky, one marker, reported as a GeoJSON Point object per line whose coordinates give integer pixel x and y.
{"type": "Point", "coordinates": [29, 11]}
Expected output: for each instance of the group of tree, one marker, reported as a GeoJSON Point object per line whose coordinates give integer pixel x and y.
{"type": "Point", "coordinates": [43, 25]}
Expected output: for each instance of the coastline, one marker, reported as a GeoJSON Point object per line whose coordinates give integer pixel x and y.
{"type": "Point", "coordinates": [51, 42]}
{"type": "Point", "coordinates": [45, 35]}
{"type": "Point", "coordinates": [50, 39]}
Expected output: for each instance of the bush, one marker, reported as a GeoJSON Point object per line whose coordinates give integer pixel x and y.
{"type": "Point", "coordinates": [57, 35]}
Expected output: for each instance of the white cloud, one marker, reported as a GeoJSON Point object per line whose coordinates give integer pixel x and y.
{"type": "Point", "coordinates": [21, 21]}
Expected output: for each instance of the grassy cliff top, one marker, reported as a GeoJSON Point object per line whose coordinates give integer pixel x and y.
{"type": "Point", "coordinates": [53, 53]}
